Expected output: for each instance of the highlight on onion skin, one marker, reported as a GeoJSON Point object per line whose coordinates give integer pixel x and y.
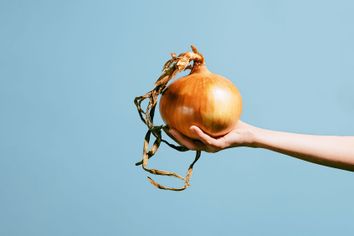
{"type": "Point", "coordinates": [204, 99]}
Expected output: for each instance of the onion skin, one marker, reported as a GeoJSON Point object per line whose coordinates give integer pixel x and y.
{"type": "Point", "coordinates": [204, 99]}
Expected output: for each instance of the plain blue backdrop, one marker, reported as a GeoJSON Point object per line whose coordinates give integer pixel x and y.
{"type": "Point", "coordinates": [70, 134]}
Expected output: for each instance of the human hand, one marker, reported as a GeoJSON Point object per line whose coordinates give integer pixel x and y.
{"type": "Point", "coordinates": [333, 151]}
{"type": "Point", "coordinates": [242, 135]}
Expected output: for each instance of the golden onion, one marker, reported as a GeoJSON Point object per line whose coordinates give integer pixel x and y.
{"type": "Point", "coordinates": [204, 99]}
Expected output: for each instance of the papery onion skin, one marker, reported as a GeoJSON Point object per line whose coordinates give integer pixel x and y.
{"type": "Point", "coordinates": [204, 99]}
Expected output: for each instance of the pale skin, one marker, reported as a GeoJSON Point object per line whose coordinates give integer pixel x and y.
{"type": "Point", "coordinates": [332, 151]}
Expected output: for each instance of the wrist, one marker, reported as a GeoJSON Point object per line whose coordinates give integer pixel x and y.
{"type": "Point", "coordinates": [257, 137]}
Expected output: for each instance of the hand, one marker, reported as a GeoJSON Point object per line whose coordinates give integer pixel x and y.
{"type": "Point", "coordinates": [333, 151]}
{"type": "Point", "coordinates": [242, 135]}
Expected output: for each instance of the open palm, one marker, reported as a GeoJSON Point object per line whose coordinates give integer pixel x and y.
{"type": "Point", "coordinates": [241, 135]}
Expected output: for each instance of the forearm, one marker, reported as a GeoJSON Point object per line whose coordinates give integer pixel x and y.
{"type": "Point", "coordinates": [331, 151]}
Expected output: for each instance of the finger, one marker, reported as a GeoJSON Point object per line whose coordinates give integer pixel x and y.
{"type": "Point", "coordinates": [197, 145]}
{"type": "Point", "coordinates": [203, 136]}
{"type": "Point", "coordinates": [188, 143]}
{"type": "Point", "coordinates": [167, 131]}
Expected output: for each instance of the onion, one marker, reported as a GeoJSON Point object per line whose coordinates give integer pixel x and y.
{"type": "Point", "coordinates": [204, 99]}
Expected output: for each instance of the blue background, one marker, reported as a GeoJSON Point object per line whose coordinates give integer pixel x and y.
{"type": "Point", "coordinates": [70, 134]}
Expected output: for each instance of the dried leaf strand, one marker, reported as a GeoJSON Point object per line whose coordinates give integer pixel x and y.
{"type": "Point", "coordinates": [170, 69]}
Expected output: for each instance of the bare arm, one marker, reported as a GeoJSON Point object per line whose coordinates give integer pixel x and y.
{"type": "Point", "coordinates": [333, 151]}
